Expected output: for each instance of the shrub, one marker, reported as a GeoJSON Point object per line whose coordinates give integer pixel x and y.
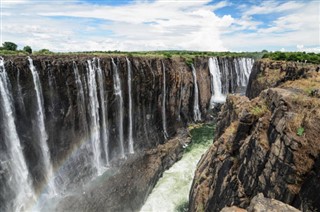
{"type": "Point", "coordinates": [9, 46]}
{"type": "Point", "coordinates": [27, 49]}
{"type": "Point", "coordinates": [300, 131]}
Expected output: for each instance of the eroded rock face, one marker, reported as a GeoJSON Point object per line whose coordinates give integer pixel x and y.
{"type": "Point", "coordinates": [82, 107]}
{"type": "Point", "coordinates": [269, 145]}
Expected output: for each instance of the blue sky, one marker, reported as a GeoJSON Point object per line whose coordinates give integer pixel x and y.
{"type": "Point", "coordinates": [203, 25]}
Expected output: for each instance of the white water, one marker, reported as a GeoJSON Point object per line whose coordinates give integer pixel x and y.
{"type": "Point", "coordinates": [20, 182]}
{"type": "Point", "coordinates": [105, 137]}
{"type": "Point", "coordinates": [131, 150]}
{"type": "Point", "coordinates": [118, 93]}
{"type": "Point", "coordinates": [164, 119]}
{"type": "Point", "coordinates": [20, 97]}
{"type": "Point", "coordinates": [94, 119]}
{"type": "Point", "coordinates": [196, 110]}
{"type": "Point", "coordinates": [173, 188]}
{"type": "Point", "coordinates": [245, 65]}
{"type": "Point", "coordinates": [80, 98]}
{"type": "Point", "coordinates": [216, 88]}
{"type": "Point", "coordinates": [42, 134]}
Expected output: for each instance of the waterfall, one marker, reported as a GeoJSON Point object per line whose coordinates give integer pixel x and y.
{"type": "Point", "coordinates": [80, 99]}
{"type": "Point", "coordinates": [216, 88]}
{"type": "Point", "coordinates": [105, 138]}
{"type": "Point", "coordinates": [164, 119]}
{"type": "Point", "coordinates": [245, 65]}
{"type": "Point", "coordinates": [131, 150]}
{"type": "Point", "coordinates": [20, 97]}
{"type": "Point", "coordinates": [196, 110]}
{"type": "Point", "coordinates": [118, 93]}
{"type": "Point", "coordinates": [13, 160]}
{"type": "Point", "coordinates": [42, 134]}
{"type": "Point", "coordinates": [94, 118]}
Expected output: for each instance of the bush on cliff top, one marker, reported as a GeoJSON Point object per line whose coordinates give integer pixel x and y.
{"type": "Point", "coordinates": [294, 56]}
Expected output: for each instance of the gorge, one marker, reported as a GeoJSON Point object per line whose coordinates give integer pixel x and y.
{"type": "Point", "coordinates": [69, 121]}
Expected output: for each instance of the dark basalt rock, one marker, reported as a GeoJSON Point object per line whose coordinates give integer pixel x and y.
{"type": "Point", "coordinates": [268, 145]}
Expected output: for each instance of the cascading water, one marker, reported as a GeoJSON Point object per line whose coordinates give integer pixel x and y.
{"type": "Point", "coordinates": [173, 188]}
{"type": "Point", "coordinates": [20, 97]}
{"type": "Point", "coordinates": [42, 134]}
{"type": "Point", "coordinates": [164, 119]}
{"type": "Point", "coordinates": [94, 118]}
{"type": "Point", "coordinates": [118, 93]}
{"type": "Point", "coordinates": [196, 110]}
{"type": "Point", "coordinates": [12, 161]}
{"type": "Point", "coordinates": [216, 88]}
{"type": "Point", "coordinates": [131, 150]}
{"type": "Point", "coordinates": [104, 135]}
{"type": "Point", "coordinates": [80, 99]}
{"type": "Point", "coordinates": [245, 66]}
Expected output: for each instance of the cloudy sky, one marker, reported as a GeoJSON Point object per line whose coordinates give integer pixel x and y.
{"type": "Point", "coordinates": [131, 25]}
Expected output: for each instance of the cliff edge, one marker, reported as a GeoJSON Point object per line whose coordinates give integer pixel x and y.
{"type": "Point", "coordinates": [269, 144]}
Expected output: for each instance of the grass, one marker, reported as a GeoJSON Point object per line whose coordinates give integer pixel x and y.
{"type": "Point", "coordinates": [300, 131]}
{"type": "Point", "coordinates": [259, 110]}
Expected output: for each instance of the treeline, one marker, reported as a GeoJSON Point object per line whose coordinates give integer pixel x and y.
{"type": "Point", "coordinates": [294, 56]}
{"type": "Point", "coordinates": [12, 48]}
{"type": "Point", "coordinates": [173, 53]}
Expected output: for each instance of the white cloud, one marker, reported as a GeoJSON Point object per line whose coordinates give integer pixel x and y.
{"type": "Point", "coordinates": [156, 25]}
{"type": "Point", "coordinates": [142, 25]}
{"type": "Point", "coordinates": [295, 26]}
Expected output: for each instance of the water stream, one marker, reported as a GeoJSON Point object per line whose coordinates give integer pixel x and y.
{"type": "Point", "coordinates": [42, 134]}
{"type": "Point", "coordinates": [172, 190]}
{"type": "Point", "coordinates": [131, 150]}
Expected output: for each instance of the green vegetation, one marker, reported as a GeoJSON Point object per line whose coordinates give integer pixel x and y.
{"type": "Point", "coordinates": [182, 207]}
{"type": "Point", "coordinates": [259, 110]}
{"type": "Point", "coordinates": [9, 46]}
{"type": "Point", "coordinates": [44, 52]}
{"type": "Point", "coordinates": [201, 135]}
{"type": "Point", "coordinates": [294, 56]}
{"type": "Point", "coordinates": [27, 49]}
{"type": "Point", "coordinates": [300, 131]}
{"type": "Point", "coordinates": [188, 56]}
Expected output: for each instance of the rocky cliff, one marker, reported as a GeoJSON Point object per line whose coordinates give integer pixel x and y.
{"type": "Point", "coordinates": [269, 144]}
{"type": "Point", "coordinates": [69, 118]}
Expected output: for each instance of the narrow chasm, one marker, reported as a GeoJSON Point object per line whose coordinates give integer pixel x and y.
{"type": "Point", "coordinates": [172, 190]}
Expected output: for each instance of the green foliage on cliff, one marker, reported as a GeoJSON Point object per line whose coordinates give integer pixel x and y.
{"type": "Point", "coordinates": [9, 46]}
{"type": "Point", "coordinates": [27, 49]}
{"type": "Point", "coordinates": [300, 131]}
{"type": "Point", "coordinates": [294, 56]}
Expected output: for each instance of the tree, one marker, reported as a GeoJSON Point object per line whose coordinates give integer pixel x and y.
{"type": "Point", "coordinates": [44, 51]}
{"type": "Point", "coordinates": [10, 46]}
{"type": "Point", "coordinates": [27, 49]}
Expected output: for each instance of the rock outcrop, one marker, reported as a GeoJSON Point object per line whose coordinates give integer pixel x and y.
{"type": "Point", "coordinates": [269, 145]}
{"type": "Point", "coordinates": [261, 204]}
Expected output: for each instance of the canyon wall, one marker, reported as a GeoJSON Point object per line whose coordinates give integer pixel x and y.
{"type": "Point", "coordinates": [269, 144]}
{"type": "Point", "coordinates": [75, 116]}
